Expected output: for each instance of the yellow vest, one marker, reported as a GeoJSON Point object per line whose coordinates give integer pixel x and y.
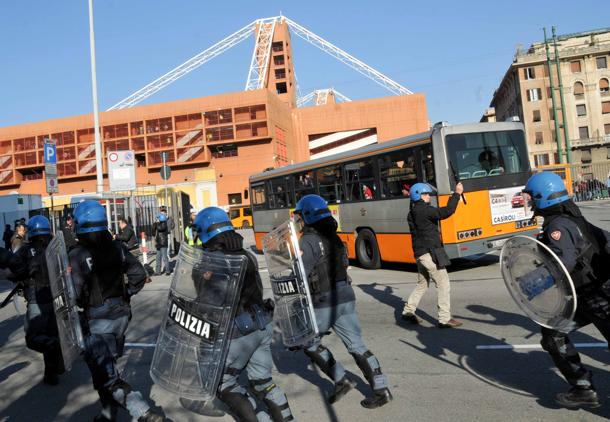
{"type": "Point", "coordinates": [190, 239]}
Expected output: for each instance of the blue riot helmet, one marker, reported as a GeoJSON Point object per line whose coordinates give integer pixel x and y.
{"type": "Point", "coordinates": [418, 189]}
{"type": "Point", "coordinates": [38, 226]}
{"type": "Point", "coordinates": [90, 217]}
{"type": "Point", "coordinates": [162, 217]}
{"type": "Point", "coordinates": [546, 189]}
{"type": "Point", "coordinates": [312, 208]}
{"type": "Point", "coordinates": [210, 222]}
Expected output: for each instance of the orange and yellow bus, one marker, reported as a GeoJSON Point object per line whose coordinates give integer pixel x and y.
{"type": "Point", "coordinates": [367, 190]}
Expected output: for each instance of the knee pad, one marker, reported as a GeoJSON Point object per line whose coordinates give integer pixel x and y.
{"type": "Point", "coordinates": [323, 358]}
{"type": "Point", "coordinates": [274, 398]}
{"type": "Point", "coordinates": [240, 404]}
{"type": "Point", "coordinates": [371, 369]}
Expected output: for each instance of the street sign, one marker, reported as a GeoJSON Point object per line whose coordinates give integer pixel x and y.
{"type": "Point", "coordinates": [166, 172]}
{"type": "Point", "coordinates": [121, 170]}
{"type": "Point", "coordinates": [50, 165]}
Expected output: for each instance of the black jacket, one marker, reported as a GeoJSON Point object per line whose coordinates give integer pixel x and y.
{"type": "Point", "coordinates": [69, 237]}
{"type": "Point", "coordinates": [128, 237]}
{"type": "Point", "coordinates": [161, 230]}
{"type": "Point", "coordinates": [423, 222]}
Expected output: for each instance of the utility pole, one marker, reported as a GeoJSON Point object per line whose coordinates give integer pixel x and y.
{"type": "Point", "coordinates": [96, 117]}
{"type": "Point", "coordinates": [555, 117]}
{"type": "Point", "coordinates": [563, 103]}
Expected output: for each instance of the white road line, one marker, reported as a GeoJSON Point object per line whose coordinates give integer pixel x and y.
{"type": "Point", "coordinates": [144, 345]}
{"type": "Point", "coordinates": [538, 346]}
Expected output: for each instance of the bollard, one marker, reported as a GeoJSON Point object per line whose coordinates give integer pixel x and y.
{"type": "Point", "coordinates": [144, 248]}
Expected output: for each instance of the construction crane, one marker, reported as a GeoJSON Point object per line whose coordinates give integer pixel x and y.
{"type": "Point", "coordinates": [260, 59]}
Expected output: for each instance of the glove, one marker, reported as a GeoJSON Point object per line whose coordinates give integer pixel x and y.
{"type": "Point", "coordinates": [535, 283]}
{"type": "Point", "coordinates": [269, 306]}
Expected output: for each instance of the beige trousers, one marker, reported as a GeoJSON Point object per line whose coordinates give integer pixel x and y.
{"type": "Point", "coordinates": [427, 272]}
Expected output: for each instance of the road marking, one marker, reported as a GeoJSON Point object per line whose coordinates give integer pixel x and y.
{"type": "Point", "coordinates": [263, 270]}
{"type": "Point", "coordinates": [538, 346]}
{"type": "Point", "coordinates": [143, 345]}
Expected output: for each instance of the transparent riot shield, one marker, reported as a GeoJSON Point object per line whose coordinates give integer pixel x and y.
{"type": "Point", "coordinates": [196, 331]}
{"type": "Point", "coordinates": [64, 300]}
{"type": "Point", "coordinates": [293, 306]}
{"type": "Point", "coordinates": [539, 282]}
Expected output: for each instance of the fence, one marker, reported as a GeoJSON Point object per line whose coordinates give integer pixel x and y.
{"type": "Point", "coordinates": [585, 181]}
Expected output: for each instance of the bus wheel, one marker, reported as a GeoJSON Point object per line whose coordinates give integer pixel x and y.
{"type": "Point", "coordinates": [245, 224]}
{"type": "Point", "coordinates": [367, 250]}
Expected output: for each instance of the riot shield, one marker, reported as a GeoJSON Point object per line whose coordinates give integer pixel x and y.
{"type": "Point", "coordinates": [64, 300]}
{"type": "Point", "coordinates": [293, 305]}
{"type": "Point", "coordinates": [196, 331]}
{"type": "Point", "coordinates": [539, 283]}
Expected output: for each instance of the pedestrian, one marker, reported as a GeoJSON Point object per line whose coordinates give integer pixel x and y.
{"type": "Point", "coordinates": [584, 250]}
{"type": "Point", "coordinates": [41, 334]}
{"type": "Point", "coordinates": [608, 184]}
{"type": "Point", "coordinates": [250, 346]}
{"type": "Point", "coordinates": [161, 233]}
{"type": "Point", "coordinates": [68, 232]}
{"type": "Point", "coordinates": [190, 233]}
{"type": "Point", "coordinates": [126, 235]}
{"type": "Point", "coordinates": [325, 261]}
{"type": "Point", "coordinates": [19, 237]}
{"type": "Point", "coordinates": [7, 236]}
{"type": "Point", "coordinates": [429, 252]}
{"type": "Point", "coordinates": [99, 266]}
{"type": "Point", "coordinates": [171, 226]}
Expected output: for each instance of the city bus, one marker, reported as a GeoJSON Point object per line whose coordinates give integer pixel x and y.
{"type": "Point", "coordinates": [367, 190]}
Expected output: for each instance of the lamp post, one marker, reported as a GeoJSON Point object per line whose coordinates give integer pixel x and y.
{"type": "Point", "coordinates": [96, 117]}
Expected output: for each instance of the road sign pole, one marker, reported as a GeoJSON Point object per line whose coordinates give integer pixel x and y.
{"type": "Point", "coordinates": [170, 237]}
{"type": "Point", "coordinates": [52, 214]}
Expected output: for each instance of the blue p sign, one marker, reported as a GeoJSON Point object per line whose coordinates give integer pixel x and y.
{"type": "Point", "coordinates": [50, 155]}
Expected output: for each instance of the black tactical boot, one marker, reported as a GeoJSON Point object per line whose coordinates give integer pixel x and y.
{"type": "Point", "coordinates": [578, 397]}
{"type": "Point", "coordinates": [341, 388]}
{"type": "Point", "coordinates": [378, 399]}
{"type": "Point", "coordinates": [412, 318]}
{"type": "Point", "coordinates": [204, 408]}
{"type": "Point", "coordinates": [50, 378]}
{"type": "Point", "coordinates": [151, 416]}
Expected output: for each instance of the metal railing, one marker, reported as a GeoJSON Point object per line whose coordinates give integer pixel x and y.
{"type": "Point", "coordinates": [598, 140]}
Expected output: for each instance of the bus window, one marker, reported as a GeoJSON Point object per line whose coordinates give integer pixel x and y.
{"type": "Point", "coordinates": [398, 173]}
{"type": "Point", "coordinates": [234, 213]}
{"type": "Point", "coordinates": [247, 212]}
{"type": "Point", "coordinates": [258, 197]}
{"type": "Point", "coordinates": [303, 184]}
{"type": "Point", "coordinates": [360, 181]}
{"type": "Point", "coordinates": [427, 165]}
{"type": "Point", "coordinates": [330, 184]}
{"type": "Point", "coordinates": [278, 197]}
{"type": "Point", "coordinates": [486, 154]}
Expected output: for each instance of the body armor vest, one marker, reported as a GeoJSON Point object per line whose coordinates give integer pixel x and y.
{"type": "Point", "coordinates": [330, 268]}
{"type": "Point", "coordinates": [105, 283]}
{"type": "Point", "coordinates": [37, 284]}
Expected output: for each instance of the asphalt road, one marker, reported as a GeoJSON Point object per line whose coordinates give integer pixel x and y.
{"type": "Point", "coordinates": [439, 375]}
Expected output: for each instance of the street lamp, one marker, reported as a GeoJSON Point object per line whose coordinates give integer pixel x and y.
{"type": "Point", "coordinates": [96, 117]}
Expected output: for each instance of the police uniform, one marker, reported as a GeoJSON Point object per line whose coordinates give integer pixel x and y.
{"type": "Point", "coordinates": [334, 304]}
{"type": "Point", "coordinates": [250, 346]}
{"type": "Point", "coordinates": [104, 296]}
{"type": "Point", "coordinates": [584, 250]}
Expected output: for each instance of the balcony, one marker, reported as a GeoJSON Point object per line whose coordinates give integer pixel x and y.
{"type": "Point", "coordinates": [589, 142]}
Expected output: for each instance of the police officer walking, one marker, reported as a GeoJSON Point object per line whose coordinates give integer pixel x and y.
{"type": "Point", "coordinates": [41, 332]}
{"type": "Point", "coordinates": [584, 250]}
{"type": "Point", "coordinates": [325, 261]}
{"type": "Point", "coordinates": [250, 346]}
{"type": "Point", "coordinates": [431, 257]}
{"type": "Point", "coordinates": [99, 265]}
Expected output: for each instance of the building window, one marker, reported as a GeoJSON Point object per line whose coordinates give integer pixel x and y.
{"type": "Point", "coordinates": [604, 86]}
{"type": "Point", "coordinates": [601, 62]}
{"type": "Point", "coordinates": [556, 158]}
{"type": "Point", "coordinates": [605, 107]}
{"type": "Point", "coordinates": [223, 151]}
{"type": "Point", "coordinates": [581, 110]}
{"type": "Point", "coordinates": [551, 115]}
{"type": "Point", "coordinates": [579, 90]}
{"type": "Point", "coordinates": [585, 155]}
{"type": "Point", "coordinates": [537, 116]}
{"type": "Point", "coordinates": [608, 154]}
{"type": "Point", "coordinates": [539, 138]}
{"type": "Point", "coordinates": [575, 66]}
{"type": "Point", "coordinates": [234, 198]}
{"type": "Point", "coordinates": [534, 94]}
{"type": "Point", "coordinates": [529, 73]}
{"type": "Point", "coordinates": [607, 128]}
{"type": "Point", "coordinates": [281, 88]}
{"type": "Point", "coordinates": [541, 160]}
{"type": "Point", "coordinates": [583, 132]}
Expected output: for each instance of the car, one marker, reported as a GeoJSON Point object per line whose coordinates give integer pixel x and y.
{"type": "Point", "coordinates": [517, 201]}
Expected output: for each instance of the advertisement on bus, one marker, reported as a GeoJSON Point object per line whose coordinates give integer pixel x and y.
{"type": "Point", "coordinates": [508, 205]}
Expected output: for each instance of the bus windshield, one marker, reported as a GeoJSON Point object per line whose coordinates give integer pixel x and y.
{"type": "Point", "coordinates": [485, 154]}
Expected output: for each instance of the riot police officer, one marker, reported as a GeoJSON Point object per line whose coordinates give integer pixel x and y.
{"type": "Point", "coordinates": [250, 346]}
{"type": "Point", "coordinates": [99, 265]}
{"type": "Point", "coordinates": [584, 250]}
{"type": "Point", "coordinates": [41, 332]}
{"type": "Point", "coordinates": [325, 261]}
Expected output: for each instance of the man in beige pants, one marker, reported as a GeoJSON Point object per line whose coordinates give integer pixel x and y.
{"type": "Point", "coordinates": [428, 250]}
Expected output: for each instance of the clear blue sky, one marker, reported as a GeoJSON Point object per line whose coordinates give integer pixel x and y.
{"type": "Point", "coordinates": [455, 52]}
